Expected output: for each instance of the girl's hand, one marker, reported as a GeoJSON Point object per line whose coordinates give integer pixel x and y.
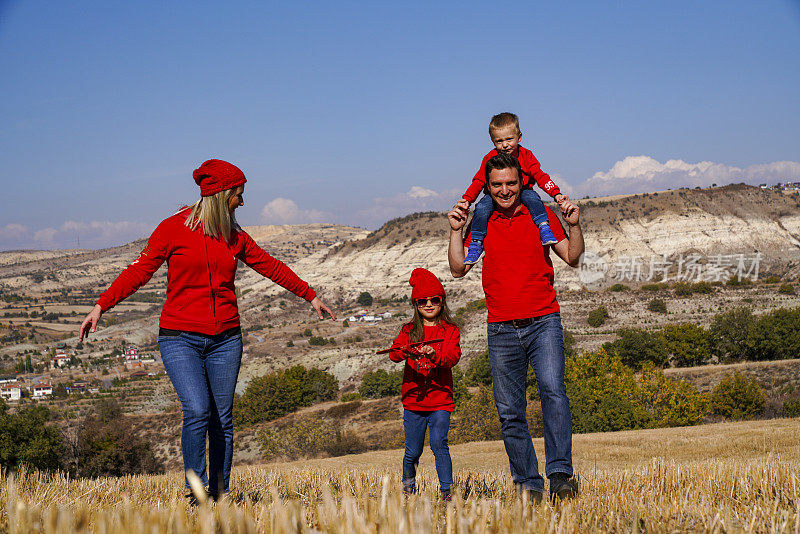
{"type": "Point", "coordinates": [426, 350]}
{"type": "Point", "coordinates": [321, 308]}
{"type": "Point", "coordinates": [90, 323]}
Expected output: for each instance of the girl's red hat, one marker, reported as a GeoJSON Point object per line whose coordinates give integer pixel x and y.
{"type": "Point", "coordinates": [216, 175]}
{"type": "Point", "coordinates": [425, 284]}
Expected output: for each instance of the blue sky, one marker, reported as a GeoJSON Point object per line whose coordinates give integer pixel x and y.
{"type": "Point", "coordinates": [356, 112]}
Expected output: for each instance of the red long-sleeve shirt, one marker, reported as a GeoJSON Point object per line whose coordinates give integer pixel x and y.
{"type": "Point", "coordinates": [531, 172]}
{"type": "Point", "coordinates": [201, 296]}
{"type": "Point", "coordinates": [428, 390]}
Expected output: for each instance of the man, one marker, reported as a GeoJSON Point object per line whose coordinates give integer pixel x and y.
{"type": "Point", "coordinates": [524, 324]}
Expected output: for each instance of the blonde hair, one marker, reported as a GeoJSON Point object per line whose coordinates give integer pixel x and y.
{"type": "Point", "coordinates": [214, 215]}
{"type": "Point", "coordinates": [501, 120]}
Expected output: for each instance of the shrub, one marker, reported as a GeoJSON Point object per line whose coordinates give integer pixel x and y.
{"type": "Point", "coordinates": [308, 333]}
{"type": "Point", "coordinates": [307, 437]}
{"type": "Point", "coordinates": [601, 394]}
{"type": "Point", "coordinates": [635, 347]}
{"type": "Point", "coordinates": [479, 371]}
{"type": "Point", "coordinates": [618, 287]}
{"type": "Point", "coordinates": [682, 289]}
{"type": "Point", "coordinates": [775, 335]}
{"type": "Point", "coordinates": [460, 391]}
{"type": "Point", "coordinates": [652, 287]}
{"type": "Point", "coordinates": [597, 316]}
{"type": "Point", "coordinates": [275, 394]}
{"type": "Point", "coordinates": [786, 289]}
{"type": "Point", "coordinates": [349, 397]}
{"type": "Point", "coordinates": [687, 344]}
{"type": "Point", "coordinates": [670, 402]}
{"type": "Point", "coordinates": [471, 306]}
{"type": "Point", "coordinates": [343, 409]}
{"type": "Point", "coordinates": [364, 299]}
{"type": "Point", "coordinates": [771, 279]}
{"type": "Point", "coordinates": [702, 287]}
{"type": "Point", "coordinates": [657, 306]}
{"type": "Point", "coordinates": [476, 419]}
{"type": "Point", "coordinates": [379, 383]}
{"type": "Point", "coordinates": [791, 408]}
{"type": "Point", "coordinates": [730, 335]}
{"type": "Point", "coordinates": [737, 397]}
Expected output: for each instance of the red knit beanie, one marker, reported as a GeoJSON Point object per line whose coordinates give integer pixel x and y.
{"type": "Point", "coordinates": [216, 175]}
{"type": "Point", "coordinates": [424, 284]}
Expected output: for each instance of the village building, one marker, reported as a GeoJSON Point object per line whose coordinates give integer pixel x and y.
{"type": "Point", "coordinates": [41, 390]}
{"type": "Point", "coordinates": [131, 353]}
{"type": "Point", "coordinates": [10, 392]}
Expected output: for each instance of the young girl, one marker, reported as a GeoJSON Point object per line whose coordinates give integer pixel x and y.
{"type": "Point", "coordinates": [427, 380]}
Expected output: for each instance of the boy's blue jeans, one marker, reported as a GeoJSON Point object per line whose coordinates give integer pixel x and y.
{"type": "Point", "coordinates": [438, 422]}
{"type": "Point", "coordinates": [485, 207]}
{"type": "Point", "coordinates": [203, 370]}
{"type": "Point", "coordinates": [511, 350]}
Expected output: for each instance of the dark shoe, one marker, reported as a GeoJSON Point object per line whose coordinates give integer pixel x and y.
{"type": "Point", "coordinates": [534, 497]}
{"type": "Point", "coordinates": [409, 489]}
{"type": "Point", "coordinates": [562, 486]}
{"type": "Point", "coordinates": [447, 495]}
{"type": "Point", "coordinates": [546, 234]}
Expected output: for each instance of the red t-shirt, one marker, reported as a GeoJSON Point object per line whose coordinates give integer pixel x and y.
{"type": "Point", "coordinates": [517, 271]}
{"type": "Point", "coordinates": [429, 389]}
{"type": "Point", "coordinates": [531, 172]}
{"type": "Point", "coordinates": [201, 296]}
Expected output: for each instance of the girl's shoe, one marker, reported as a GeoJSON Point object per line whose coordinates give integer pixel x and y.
{"type": "Point", "coordinates": [474, 252]}
{"type": "Point", "coordinates": [546, 234]}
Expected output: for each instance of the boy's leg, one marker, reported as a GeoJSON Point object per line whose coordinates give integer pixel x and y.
{"type": "Point", "coordinates": [532, 201]}
{"type": "Point", "coordinates": [480, 221]}
{"type": "Point", "coordinates": [414, 425]}
{"type": "Point", "coordinates": [439, 426]}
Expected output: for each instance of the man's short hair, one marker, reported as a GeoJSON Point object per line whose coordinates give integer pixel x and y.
{"type": "Point", "coordinates": [501, 120]}
{"type": "Point", "coordinates": [502, 161]}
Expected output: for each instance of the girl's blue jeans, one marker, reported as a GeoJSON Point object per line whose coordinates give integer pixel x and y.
{"type": "Point", "coordinates": [485, 207]}
{"type": "Point", "coordinates": [203, 370]}
{"type": "Point", "coordinates": [438, 422]}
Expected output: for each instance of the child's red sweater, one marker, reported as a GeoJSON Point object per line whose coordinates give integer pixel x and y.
{"type": "Point", "coordinates": [201, 296]}
{"type": "Point", "coordinates": [434, 390]}
{"type": "Point", "coordinates": [531, 172]}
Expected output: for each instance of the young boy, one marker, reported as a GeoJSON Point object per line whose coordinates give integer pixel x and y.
{"type": "Point", "coordinates": [505, 135]}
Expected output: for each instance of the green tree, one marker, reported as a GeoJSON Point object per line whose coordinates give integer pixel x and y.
{"type": "Point", "coordinates": [477, 418]}
{"type": "Point", "coordinates": [730, 335]}
{"type": "Point", "coordinates": [479, 371]}
{"type": "Point", "coordinates": [738, 397]}
{"type": "Point", "coordinates": [379, 383]}
{"type": "Point", "coordinates": [687, 344]}
{"type": "Point", "coordinates": [776, 335]}
{"type": "Point", "coordinates": [657, 306]}
{"type": "Point", "coordinates": [635, 347]}
{"type": "Point", "coordinates": [670, 402]}
{"type": "Point", "coordinates": [27, 439]}
{"type": "Point", "coordinates": [597, 316]}
{"type": "Point", "coordinates": [364, 299]}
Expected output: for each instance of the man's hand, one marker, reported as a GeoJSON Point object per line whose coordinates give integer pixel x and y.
{"type": "Point", "coordinates": [571, 212]}
{"type": "Point", "coordinates": [458, 215]}
{"type": "Point", "coordinates": [90, 323]}
{"type": "Point", "coordinates": [322, 308]}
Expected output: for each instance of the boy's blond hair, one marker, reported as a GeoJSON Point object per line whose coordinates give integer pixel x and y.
{"type": "Point", "coordinates": [501, 120]}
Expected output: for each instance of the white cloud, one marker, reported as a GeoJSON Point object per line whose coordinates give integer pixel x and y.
{"type": "Point", "coordinates": [286, 211]}
{"type": "Point", "coordinates": [639, 174]}
{"type": "Point", "coordinates": [415, 199]}
{"type": "Point", "coordinates": [94, 234]}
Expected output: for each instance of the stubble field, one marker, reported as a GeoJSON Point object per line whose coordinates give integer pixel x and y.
{"type": "Point", "coordinates": [731, 477]}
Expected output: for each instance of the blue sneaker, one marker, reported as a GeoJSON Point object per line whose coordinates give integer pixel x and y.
{"type": "Point", "coordinates": [474, 252]}
{"type": "Point", "coordinates": [546, 233]}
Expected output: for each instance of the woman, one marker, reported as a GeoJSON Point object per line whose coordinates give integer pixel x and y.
{"type": "Point", "coordinates": [199, 336]}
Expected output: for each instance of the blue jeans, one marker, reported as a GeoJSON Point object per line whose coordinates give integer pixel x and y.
{"type": "Point", "coordinates": [203, 370]}
{"type": "Point", "coordinates": [485, 207]}
{"type": "Point", "coordinates": [511, 350]}
{"type": "Point", "coordinates": [414, 424]}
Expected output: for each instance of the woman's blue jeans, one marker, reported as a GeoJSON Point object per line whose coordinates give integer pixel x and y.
{"type": "Point", "coordinates": [438, 422]}
{"type": "Point", "coordinates": [203, 370]}
{"type": "Point", "coordinates": [485, 207]}
{"type": "Point", "coordinates": [511, 350]}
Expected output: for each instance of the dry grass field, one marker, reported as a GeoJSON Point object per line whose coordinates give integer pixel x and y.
{"type": "Point", "coordinates": [732, 477]}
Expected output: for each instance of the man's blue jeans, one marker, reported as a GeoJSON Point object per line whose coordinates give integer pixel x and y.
{"type": "Point", "coordinates": [485, 207]}
{"type": "Point", "coordinates": [203, 370]}
{"type": "Point", "coordinates": [414, 424]}
{"type": "Point", "coordinates": [511, 350]}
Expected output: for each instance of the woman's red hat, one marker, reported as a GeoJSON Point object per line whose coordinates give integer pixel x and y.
{"type": "Point", "coordinates": [424, 284]}
{"type": "Point", "coordinates": [216, 175]}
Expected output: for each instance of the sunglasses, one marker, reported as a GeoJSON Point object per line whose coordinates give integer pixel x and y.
{"type": "Point", "coordinates": [435, 301]}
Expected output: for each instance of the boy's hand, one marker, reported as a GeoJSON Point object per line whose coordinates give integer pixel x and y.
{"type": "Point", "coordinates": [561, 198]}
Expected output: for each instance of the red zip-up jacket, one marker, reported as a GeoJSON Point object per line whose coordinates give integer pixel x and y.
{"type": "Point", "coordinates": [201, 296]}
{"type": "Point", "coordinates": [531, 172]}
{"type": "Point", "coordinates": [428, 390]}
